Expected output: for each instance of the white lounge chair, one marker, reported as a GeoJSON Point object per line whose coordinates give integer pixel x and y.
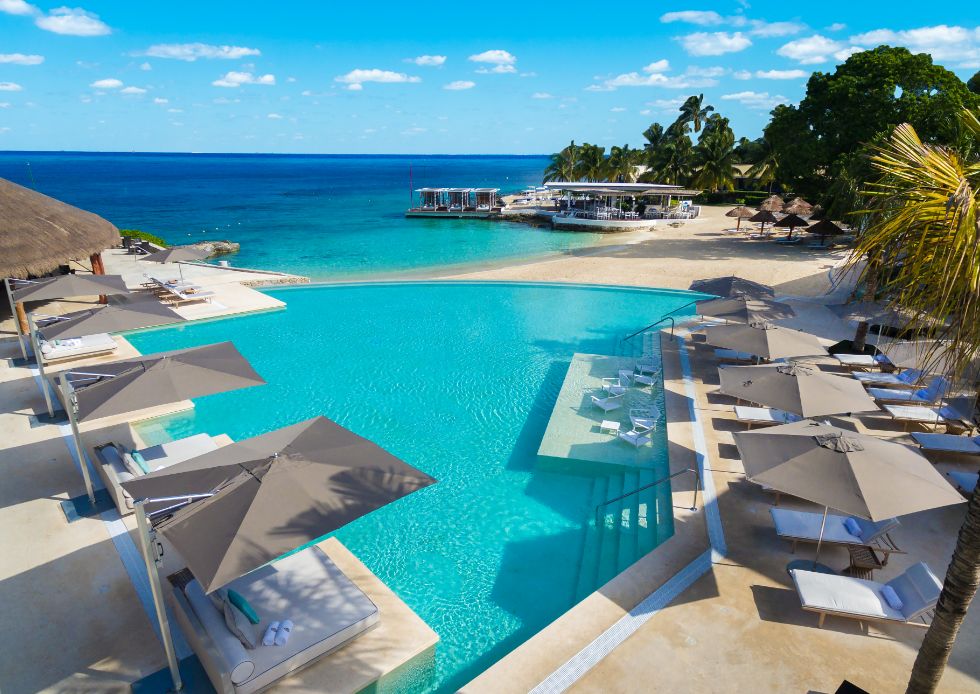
{"type": "Point", "coordinates": [966, 482]}
{"type": "Point", "coordinates": [923, 396]}
{"type": "Point", "coordinates": [610, 402]}
{"type": "Point", "coordinates": [76, 347]}
{"type": "Point", "coordinates": [914, 414]}
{"type": "Point", "coordinates": [640, 378]}
{"type": "Point", "coordinates": [647, 366]}
{"type": "Point", "coordinates": [614, 386]}
{"type": "Point", "coordinates": [857, 361]}
{"type": "Point", "coordinates": [764, 415]}
{"type": "Point", "coordinates": [803, 526]}
{"type": "Point", "coordinates": [907, 379]}
{"type": "Point", "coordinates": [637, 436]}
{"type": "Point", "coordinates": [917, 590]}
{"type": "Point", "coordinates": [948, 443]}
{"type": "Point", "coordinates": [644, 417]}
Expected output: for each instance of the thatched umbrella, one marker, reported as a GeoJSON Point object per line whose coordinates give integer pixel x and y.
{"type": "Point", "coordinates": [773, 203]}
{"type": "Point", "coordinates": [739, 213]}
{"type": "Point", "coordinates": [825, 228]}
{"type": "Point", "coordinates": [791, 221]}
{"type": "Point", "coordinates": [798, 206]}
{"type": "Point", "coordinates": [763, 217]}
{"type": "Point", "coordinates": [39, 233]}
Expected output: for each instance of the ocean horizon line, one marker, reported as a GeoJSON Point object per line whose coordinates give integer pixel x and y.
{"type": "Point", "coordinates": [311, 155]}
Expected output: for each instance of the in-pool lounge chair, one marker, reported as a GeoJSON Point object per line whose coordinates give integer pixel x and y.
{"type": "Point", "coordinates": [907, 379]}
{"type": "Point", "coordinates": [77, 347]}
{"type": "Point", "coordinates": [764, 415]}
{"type": "Point", "coordinates": [948, 443]}
{"type": "Point", "coordinates": [609, 403]}
{"type": "Point", "coordinates": [118, 465]}
{"type": "Point", "coordinates": [637, 436]}
{"type": "Point", "coordinates": [915, 593]}
{"type": "Point", "coordinates": [923, 396]}
{"type": "Point", "coordinates": [803, 526]}
{"type": "Point", "coordinates": [966, 482]}
{"type": "Point", "coordinates": [327, 610]}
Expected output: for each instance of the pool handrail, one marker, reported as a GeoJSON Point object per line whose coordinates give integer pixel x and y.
{"type": "Point", "coordinates": [697, 488]}
{"type": "Point", "coordinates": [665, 317]}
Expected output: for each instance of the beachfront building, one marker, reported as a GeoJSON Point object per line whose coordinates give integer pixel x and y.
{"type": "Point", "coordinates": [619, 206]}
{"type": "Point", "coordinates": [480, 203]}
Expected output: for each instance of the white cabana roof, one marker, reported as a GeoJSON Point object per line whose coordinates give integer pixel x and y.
{"type": "Point", "coordinates": [607, 188]}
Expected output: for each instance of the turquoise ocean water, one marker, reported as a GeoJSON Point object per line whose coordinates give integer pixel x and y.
{"type": "Point", "coordinates": [320, 216]}
{"type": "Point", "coordinates": [458, 380]}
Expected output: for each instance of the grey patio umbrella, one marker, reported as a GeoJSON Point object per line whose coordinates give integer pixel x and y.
{"type": "Point", "coordinates": [739, 213]}
{"type": "Point", "coordinates": [763, 216]}
{"type": "Point", "coordinates": [798, 388]}
{"type": "Point", "coordinates": [730, 287]}
{"type": "Point", "coordinates": [930, 356]}
{"type": "Point", "coordinates": [825, 228]}
{"type": "Point", "coordinates": [114, 388]}
{"type": "Point", "coordinates": [144, 312]}
{"type": "Point", "coordinates": [765, 340]}
{"type": "Point", "coordinates": [860, 475]}
{"type": "Point", "coordinates": [271, 494]}
{"type": "Point", "coordinates": [743, 310]}
{"type": "Point", "coordinates": [791, 221]}
{"type": "Point", "coordinates": [177, 254]}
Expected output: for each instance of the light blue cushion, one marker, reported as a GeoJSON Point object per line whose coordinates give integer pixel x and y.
{"type": "Point", "coordinates": [239, 601]}
{"type": "Point", "coordinates": [923, 393]}
{"type": "Point", "coordinates": [853, 527]}
{"type": "Point", "coordinates": [139, 460]}
{"type": "Point", "coordinates": [891, 597]}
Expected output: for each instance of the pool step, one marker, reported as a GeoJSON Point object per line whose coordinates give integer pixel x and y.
{"type": "Point", "coordinates": [588, 567]}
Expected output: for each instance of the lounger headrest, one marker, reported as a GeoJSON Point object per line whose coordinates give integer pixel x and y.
{"type": "Point", "coordinates": [918, 588]}
{"type": "Point", "coordinates": [872, 531]}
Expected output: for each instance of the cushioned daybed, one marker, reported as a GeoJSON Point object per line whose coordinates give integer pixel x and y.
{"type": "Point", "coordinates": [327, 610]}
{"type": "Point", "coordinates": [73, 348]}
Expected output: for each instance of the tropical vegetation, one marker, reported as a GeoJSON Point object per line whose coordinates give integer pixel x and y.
{"type": "Point", "coordinates": [144, 236]}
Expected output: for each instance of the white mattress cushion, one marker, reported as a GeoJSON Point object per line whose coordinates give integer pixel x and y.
{"type": "Point", "coordinates": [845, 594]}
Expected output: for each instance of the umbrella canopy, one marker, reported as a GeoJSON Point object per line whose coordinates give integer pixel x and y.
{"type": "Point", "coordinates": [765, 340]}
{"type": "Point", "coordinates": [40, 233]}
{"type": "Point", "coordinates": [931, 356]}
{"type": "Point", "coordinates": [773, 203]}
{"type": "Point", "coordinates": [741, 212]}
{"type": "Point", "coordinates": [798, 206]}
{"type": "Point", "coordinates": [798, 388]}
{"type": "Point", "coordinates": [144, 312]}
{"type": "Point", "coordinates": [882, 313]}
{"type": "Point", "coordinates": [272, 494]}
{"type": "Point", "coordinates": [825, 228]}
{"type": "Point", "coordinates": [860, 475]}
{"type": "Point", "coordinates": [743, 310]}
{"type": "Point", "coordinates": [765, 216]}
{"type": "Point", "coordinates": [791, 221]}
{"type": "Point", "coordinates": [727, 287]}
{"type": "Point", "coordinates": [118, 387]}
{"type": "Point", "coordinates": [65, 286]}
{"type": "Point", "coordinates": [176, 254]}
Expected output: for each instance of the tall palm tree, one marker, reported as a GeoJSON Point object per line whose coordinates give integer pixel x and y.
{"type": "Point", "coordinates": [562, 166]}
{"type": "Point", "coordinates": [715, 156]}
{"type": "Point", "coordinates": [766, 170]}
{"type": "Point", "coordinates": [673, 163]}
{"type": "Point", "coordinates": [925, 210]}
{"type": "Point", "coordinates": [655, 137]}
{"type": "Point", "coordinates": [694, 111]}
{"type": "Point", "coordinates": [621, 164]}
{"type": "Point", "coordinates": [591, 164]}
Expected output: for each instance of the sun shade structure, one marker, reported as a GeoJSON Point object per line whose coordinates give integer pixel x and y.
{"type": "Point", "coordinates": [730, 287]}
{"type": "Point", "coordinates": [271, 494]}
{"type": "Point", "coordinates": [116, 317]}
{"type": "Point", "coordinates": [773, 203]}
{"type": "Point", "coordinates": [739, 213]}
{"type": "Point", "coordinates": [798, 388]}
{"type": "Point", "coordinates": [743, 310]}
{"type": "Point", "coordinates": [763, 217]}
{"type": "Point", "coordinates": [791, 221]}
{"type": "Point", "coordinates": [825, 228]}
{"type": "Point", "coordinates": [930, 356]}
{"type": "Point", "coordinates": [40, 233]}
{"type": "Point", "coordinates": [176, 254]}
{"type": "Point", "coordinates": [798, 206]}
{"type": "Point", "coordinates": [881, 313]}
{"type": "Point", "coordinates": [65, 286]}
{"type": "Point", "coordinates": [765, 340]}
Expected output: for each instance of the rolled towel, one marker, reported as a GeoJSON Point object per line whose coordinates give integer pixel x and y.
{"type": "Point", "coordinates": [269, 637]}
{"type": "Point", "coordinates": [282, 635]}
{"type": "Point", "coordinates": [853, 527]}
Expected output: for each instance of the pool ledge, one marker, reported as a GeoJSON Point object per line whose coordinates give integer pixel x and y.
{"type": "Point", "coordinates": [531, 664]}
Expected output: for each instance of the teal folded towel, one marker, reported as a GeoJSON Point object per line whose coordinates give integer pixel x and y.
{"type": "Point", "coordinates": [853, 527]}
{"type": "Point", "coordinates": [139, 460]}
{"type": "Point", "coordinates": [241, 603]}
{"type": "Point", "coordinates": [891, 597]}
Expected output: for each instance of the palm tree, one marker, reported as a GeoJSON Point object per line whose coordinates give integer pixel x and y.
{"type": "Point", "coordinates": [562, 166]}
{"type": "Point", "coordinates": [655, 137]}
{"type": "Point", "coordinates": [715, 155]}
{"type": "Point", "coordinates": [591, 164]}
{"type": "Point", "coordinates": [924, 210]}
{"type": "Point", "coordinates": [621, 164]}
{"type": "Point", "coordinates": [694, 112]}
{"type": "Point", "coordinates": [673, 163]}
{"type": "Point", "coordinates": [766, 170]}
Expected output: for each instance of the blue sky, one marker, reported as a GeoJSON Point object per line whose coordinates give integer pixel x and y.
{"type": "Point", "coordinates": [422, 77]}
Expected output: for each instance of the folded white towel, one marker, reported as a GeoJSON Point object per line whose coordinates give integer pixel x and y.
{"type": "Point", "coordinates": [282, 636]}
{"type": "Point", "coordinates": [269, 637]}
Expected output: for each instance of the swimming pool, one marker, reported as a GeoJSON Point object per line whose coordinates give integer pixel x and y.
{"type": "Point", "coordinates": [459, 380]}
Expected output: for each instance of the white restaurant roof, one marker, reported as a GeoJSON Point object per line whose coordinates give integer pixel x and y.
{"type": "Point", "coordinates": [457, 190]}
{"type": "Point", "coordinates": [607, 188]}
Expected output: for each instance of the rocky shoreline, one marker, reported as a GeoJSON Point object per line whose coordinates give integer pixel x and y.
{"type": "Point", "coordinates": [216, 248]}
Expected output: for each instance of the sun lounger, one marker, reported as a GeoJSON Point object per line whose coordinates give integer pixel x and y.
{"type": "Point", "coordinates": [923, 396]}
{"type": "Point", "coordinates": [948, 443]}
{"type": "Point", "coordinates": [966, 482]}
{"type": "Point", "coordinates": [609, 403]}
{"type": "Point", "coordinates": [615, 386]}
{"type": "Point", "coordinates": [917, 588]}
{"type": "Point", "coordinates": [76, 347]}
{"type": "Point", "coordinates": [647, 366]}
{"type": "Point", "coordinates": [907, 379]}
{"type": "Point", "coordinates": [644, 417]}
{"type": "Point", "coordinates": [178, 297]}
{"type": "Point", "coordinates": [764, 415]}
{"type": "Point", "coordinates": [327, 610]}
{"type": "Point", "coordinates": [914, 414]}
{"type": "Point", "coordinates": [803, 526]}
{"type": "Point", "coordinates": [637, 436]}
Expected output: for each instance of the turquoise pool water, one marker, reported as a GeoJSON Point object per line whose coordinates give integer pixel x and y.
{"type": "Point", "coordinates": [458, 380]}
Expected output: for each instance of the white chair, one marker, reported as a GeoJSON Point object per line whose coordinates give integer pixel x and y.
{"type": "Point", "coordinates": [907, 379]}
{"type": "Point", "coordinates": [647, 366]}
{"type": "Point", "coordinates": [642, 379]}
{"type": "Point", "coordinates": [637, 436]}
{"type": "Point", "coordinates": [923, 396]}
{"type": "Point", "coordinates": [644, 417]}
{"type": "Point", "coordinates": [804, 526]}
{"type": "Point", "coordinates": [609, 403]}
{"type": "Point", "coordinates": [764, 415]}
{"type": "Point", "coordinates": [615, 386]}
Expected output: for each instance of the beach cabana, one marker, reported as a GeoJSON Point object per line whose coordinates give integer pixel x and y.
{"type": "Point", "coordinates": [825, 228]}
{"type": "Point", "coordinates": [177, 254]}
{"type": "Point", "coordinates": [763, 217]}
{"type": "Point", "coordinates": [773, 203]}
{"type": "Point", "coordinates": [739, 213]}
{"type": "Point", "coordinates": [791, 221]}
{"type": "Point", "coordinates": [743, 310]}
{"type": "Point", "coordinates": [801, 389]}
{"type": "Point", "coordinates": [229, 512]}
{"type": "Point", "coordinates": [731, 287]}
{"type": "Point", "coordinates": [120, 387]}
{"type": "Point", "coordinates": [765, 340]}
{"type": "Point", "coordinates": [798, 206]}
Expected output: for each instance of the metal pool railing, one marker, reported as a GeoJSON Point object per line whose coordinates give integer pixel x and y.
{"type": "Point", "coordinates": [665, 317]}
{"type": "Point", "coordinates": [697, 488]}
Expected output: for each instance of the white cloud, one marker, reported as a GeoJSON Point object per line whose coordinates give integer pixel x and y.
{"type": "Point", "coordinates": [837, 26]}
{"type": "Point", "coordinates": [236, 79]}
{"type": "Point", "coordinates": [427, 60]}
{"type": "Point", "coordinates": [225, 100]}
{"type": "Point", "coordinates": [701, 17]}
{"type": "Point", "coordinates": [10, 87]}
{"type": "Point", "coordinates": [773, 29]}
{"type": "Point", "coordinates": [692, 77]}
{"type": "Point", "coordinates": [658, 66]}
{"type": "Point", "coordinates": [944, 43]}
{"type": "Point", "coordinates": [274, 116]}
{"type": "Point", "coordinates": [742, 75]}
{"type": "Point", "coordinates": [542, 95]}
{"type": "Point", "coordinates": [811, 50]}
{"type": "Point", "coordinates": [494, 57]}
{"type": "Point", "coordinates": [189, 52]}
{"type": "Point", "coordinates": [4, 104]}
{"type": "Point", "coordinates": [756, 100]}
{"type": "Point", "coordinates": [414, 130]}
{"type": "Point", "coordinates": [290, 79]}
{"type": "Point", "coordinates": [17, 7]}
{"type": "Point", "coordinates": [715, 43]}
{"type": "Point", "coordinates": [146, 67]}
{"type": "Point", "coordinates": [781, 74]}
{"type": "Point", "coordinates": [667, 104]}
{"type": "Point", "coordinates": [161, 100]}
{"type": "Point", "coordinates": [629, 79]}
{"type": "Point", "coordinates": [459, 85]}
{"type": "Point", "coordinates": [4, 129]}
{"type": "Point", "coordinates": [497, 70]}
{"type": "Point", "coordinates": [132, 90]}
{"type": "Point", "coordinates": [696, 71]}
{"type": "Point", "coordinates": [617, 109]}
{"type": "Point", "coordinates": [175, 110]}
{"type": "Point", "coordinates": [355, 79]}
{"type": "Point", "coordinates": [21, 59]}
{"type": "Point", "coordinates": [107, 83]}
{"type": "Point", "coordinates": [73, 21]}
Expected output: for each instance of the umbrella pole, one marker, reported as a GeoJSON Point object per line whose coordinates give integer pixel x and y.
{"type": "Point", "coordinates": [40, 363]}
{"type": "Point", "coordinates": [13, 315]}
{"type": "Point", "coordinates": [823, 522]}
{"type": "Point", "coordinates": [76, 437]}
{"type": "Point", "coordinates": [151, 560]}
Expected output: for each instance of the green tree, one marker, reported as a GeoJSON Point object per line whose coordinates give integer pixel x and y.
{"type": "Point", "coordinates": [655, 137]}
{"type": "Point", "coordinates": [563, 166]}
{"type": "Point", "coordinates": [715, 156]}
{"type": "Point", "coordinates": [693, 112]}
{"type": "Point", "coordinates": [591, 165]}
{"type": "Point", "coordinates": [621, 164]}
{"type": "Point", "coordinates": [673, 163]}
{"type": "Point", "coordinates": [765, 169]}
{"type": "Point", "coordinates": [973, 84]}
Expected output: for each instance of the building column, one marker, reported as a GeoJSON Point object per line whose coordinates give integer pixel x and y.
{"type": "Point", "coordinates": [98, 268]}
{"type": "Point", "coordinates": [21, 318]}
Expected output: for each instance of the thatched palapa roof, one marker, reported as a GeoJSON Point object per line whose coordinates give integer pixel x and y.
{"type": "Point", "coordinates": [39, 233]}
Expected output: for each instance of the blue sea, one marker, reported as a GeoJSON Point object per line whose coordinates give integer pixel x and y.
{"type": "Point", "coordinates": [323, 216]}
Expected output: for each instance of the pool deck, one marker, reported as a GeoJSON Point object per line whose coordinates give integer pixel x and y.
{"type": "Point", "coordinates": [573, 431]}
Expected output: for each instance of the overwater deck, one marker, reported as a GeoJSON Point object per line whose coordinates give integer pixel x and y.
{"type": "Point", "coordinates": [573, 432]}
